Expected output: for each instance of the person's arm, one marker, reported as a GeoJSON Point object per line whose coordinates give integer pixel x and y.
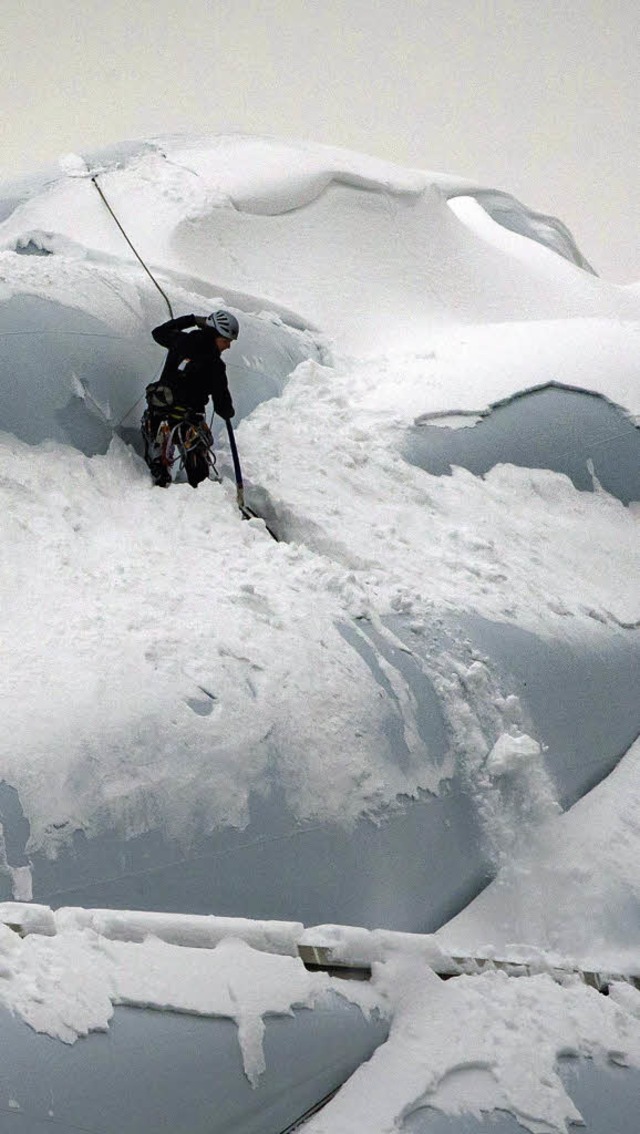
{"type": "Point", "coordinates": [220, 394]}
{"type": "Point", "coordinates": [167, 333]}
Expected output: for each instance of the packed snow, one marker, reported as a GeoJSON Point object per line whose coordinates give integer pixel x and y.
{"type": "Point", "coordinates": [161, 657]}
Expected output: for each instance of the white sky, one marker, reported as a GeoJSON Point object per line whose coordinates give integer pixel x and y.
{"type": "Point", "coordinates": [538, 97]}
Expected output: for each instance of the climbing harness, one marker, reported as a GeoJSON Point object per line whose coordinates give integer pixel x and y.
{"type": "Point", "coordinates": [190, 442]}
{"type": "Point", "coordinates": [194, 441]}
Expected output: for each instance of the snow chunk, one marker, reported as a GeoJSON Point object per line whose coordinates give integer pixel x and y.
{"type": "Point", "coordinates": [512, 754]}
{"type": "Point", "coordinates": [27, 918]}
{"type": "Point", "coordinates": [61, 986]}
{"type": "Point", "coordinates": [270, 176]}
{"type": "Point", "coordinates": [256, 212]}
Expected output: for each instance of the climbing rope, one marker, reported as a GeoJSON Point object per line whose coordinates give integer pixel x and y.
{"type": "Point", "coordinates": [154, 281]}
{"type": "Point", "coordinates": [133, 249]}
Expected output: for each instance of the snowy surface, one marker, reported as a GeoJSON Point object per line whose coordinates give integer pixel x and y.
{"type": "Point", "coordinates": [453, 1046]}
{"type": "Point", "coordinates": [583, 863]}
{"type": "Point", "coordinates": [164, 662]}
{"type": "Point", "coordinates": [479, 1044]}
{"type": "Point", "coordinates": [67, 983]}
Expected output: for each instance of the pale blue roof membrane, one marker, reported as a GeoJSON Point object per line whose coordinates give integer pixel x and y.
{"type": "Point", "coordinates": [554, 427]}
{"type": "Point", "coordinates": [168, 1071]}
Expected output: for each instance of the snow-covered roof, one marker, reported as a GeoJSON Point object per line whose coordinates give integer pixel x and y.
{"type": "Point", "coordinates": [368, 717]}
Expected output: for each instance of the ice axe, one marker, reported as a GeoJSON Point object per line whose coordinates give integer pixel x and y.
{"type": "Point", "coordinates": [247, 512]}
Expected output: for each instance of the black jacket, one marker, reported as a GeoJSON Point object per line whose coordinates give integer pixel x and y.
{"type": "Point", "coordinates": [194, 369]}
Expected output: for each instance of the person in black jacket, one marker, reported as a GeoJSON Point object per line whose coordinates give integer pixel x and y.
{"type": "Point", "coordinates": [176, 403]}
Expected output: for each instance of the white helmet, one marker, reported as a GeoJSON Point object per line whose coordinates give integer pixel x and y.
{"type": "Point", "coordinates": [223, 323]}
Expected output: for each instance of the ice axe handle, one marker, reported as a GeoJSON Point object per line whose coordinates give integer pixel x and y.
{"type": "Point", "coordinates": [236, 465]}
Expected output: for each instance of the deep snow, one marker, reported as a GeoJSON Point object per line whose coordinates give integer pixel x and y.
{"type": "Point", "coordinates": [164, 661]}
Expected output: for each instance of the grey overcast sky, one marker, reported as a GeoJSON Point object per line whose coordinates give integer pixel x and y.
{"type": "Point", "coordinates": [538, 97]}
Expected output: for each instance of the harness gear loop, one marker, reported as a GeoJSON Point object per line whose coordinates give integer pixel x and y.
{"type": "Point", "coordinates": [191, 439]}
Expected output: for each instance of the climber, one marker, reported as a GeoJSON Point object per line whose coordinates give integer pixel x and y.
{"type": "Point", "coordinates": [176, 403]}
